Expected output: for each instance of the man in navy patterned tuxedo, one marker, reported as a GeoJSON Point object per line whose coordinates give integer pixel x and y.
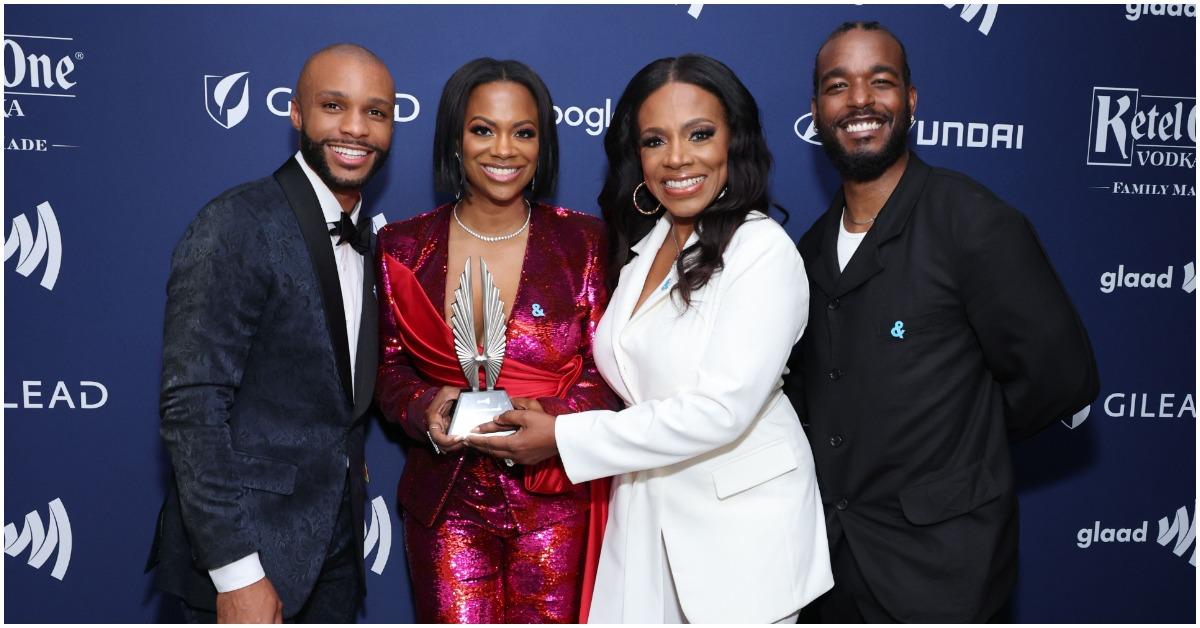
{"type": "Point", "coordinates": [269, 358]}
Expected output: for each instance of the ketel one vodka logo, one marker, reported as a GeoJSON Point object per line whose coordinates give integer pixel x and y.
{"type": "Point", "coordinates": [1131, 128]}
{"type": "Point", "coordinates": [42, 540]}
{"type": "Point", "coordinates": [31, 71]}
{"type": "Point", "coordinates": [227, 98]}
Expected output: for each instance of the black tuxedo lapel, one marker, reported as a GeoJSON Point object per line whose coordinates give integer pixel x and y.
{"type": "Point", "coordinates": [866, 262]}
{"type": "Point", "coordinates": [302, 198]}
{"type": "Point", "coordinates": [367, 358]}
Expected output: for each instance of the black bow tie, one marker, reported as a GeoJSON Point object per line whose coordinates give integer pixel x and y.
{"type": "Point", "coordinates": [347, 233]}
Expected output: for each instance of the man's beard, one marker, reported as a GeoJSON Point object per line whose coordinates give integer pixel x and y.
{"type": "Point", "coordinates": [314, 154]}
{"type": "Point", "coordinates": [865, 166]}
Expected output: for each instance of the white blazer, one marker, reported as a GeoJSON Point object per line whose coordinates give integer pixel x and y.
{"type": "Point", "coordinates": [711, 458]}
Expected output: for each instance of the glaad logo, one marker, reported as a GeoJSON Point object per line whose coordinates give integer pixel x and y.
{"type": "Point", "coordinates": [1133, 12]}
{"type": "Point", "coordinates": [378, 532]}
{"type": "Point", "coordinates": [217, 91]}
{"type": "Point", "coordinates": [1129, 127]}
{"type": "Point", "coordinates": [1110, 281]}
{"type": "Point", "coordinates": [1087, 536]}
{"type": "Point", "coordinates": [969, 11]}
{"type": "Point", "coordinates": [47, 246]}
{"type": "Point", "coordinates": [1181, 531]}
{"type": "Point", "coordinates": [1077, 419]}
{"type": "Point", "coordinates": [941, 133]}
{"type": "Point", "coordinates": [42, 541]}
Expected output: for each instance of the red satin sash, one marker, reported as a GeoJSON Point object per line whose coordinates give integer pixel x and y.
{"type": "Point", "coordinates": [428, 341]}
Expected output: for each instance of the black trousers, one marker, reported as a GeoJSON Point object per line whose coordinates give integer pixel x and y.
{"type": "Point", "coordinates": [336, 597]}
{"type": "Point", "coordinates": [850, 601]}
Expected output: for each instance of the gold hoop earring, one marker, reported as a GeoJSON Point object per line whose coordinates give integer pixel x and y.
{"type": "Point", "coordinates": [639, 207]}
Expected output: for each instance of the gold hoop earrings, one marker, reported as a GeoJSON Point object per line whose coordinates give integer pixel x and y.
{"type": "Point", "coordinates": [639, 207]}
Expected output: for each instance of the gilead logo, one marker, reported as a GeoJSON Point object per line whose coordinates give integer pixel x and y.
{"type": "Point", "coordinates": [1147, 406]}
{"type": "Point", "coordinates": [37, 395]}
{"type": "Point", "coordinates": [1077, 419]}
{"type": "Point", "coordinates": [225, 104]}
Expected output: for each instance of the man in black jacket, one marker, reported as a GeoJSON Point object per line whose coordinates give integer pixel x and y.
{"type": "Point", "coordinates": [269, 354]}
{"type": "Point", "coordinates": [937, 331]}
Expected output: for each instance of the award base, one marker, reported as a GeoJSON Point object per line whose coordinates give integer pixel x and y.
{"type": "Point", "coordinates": [476, 407]}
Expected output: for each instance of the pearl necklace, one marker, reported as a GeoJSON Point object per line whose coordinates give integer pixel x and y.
{"type": "Point", "coordinates": [499, 238]}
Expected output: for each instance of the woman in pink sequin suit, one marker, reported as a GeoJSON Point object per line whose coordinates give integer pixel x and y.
{"type": "Point", "coordinates": [488, 542]}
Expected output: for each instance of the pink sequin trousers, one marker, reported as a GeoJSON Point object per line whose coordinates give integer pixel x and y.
{"type": "Point", "coordinates": [475, 565]}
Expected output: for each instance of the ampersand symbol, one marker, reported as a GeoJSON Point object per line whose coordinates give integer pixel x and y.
{"type": "Point", "coordinates": [898, 330]}
{"type": "Point", "coordinates": [537, 311]}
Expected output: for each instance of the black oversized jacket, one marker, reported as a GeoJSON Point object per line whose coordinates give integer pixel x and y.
{"type": "Point", "coordinates": [947, 334]}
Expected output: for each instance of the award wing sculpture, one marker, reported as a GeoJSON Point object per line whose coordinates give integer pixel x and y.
{"type": "Point", "coordinates": [495, 337]}
{"type": "Point", "coordinates": [475, 406]}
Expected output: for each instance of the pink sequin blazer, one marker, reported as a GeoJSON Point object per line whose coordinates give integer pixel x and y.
{"type": "Point", "coordinates": [559, 302]}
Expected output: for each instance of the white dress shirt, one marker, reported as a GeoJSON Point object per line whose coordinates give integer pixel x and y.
{"type": "Point", "coordinates": [248, 570]}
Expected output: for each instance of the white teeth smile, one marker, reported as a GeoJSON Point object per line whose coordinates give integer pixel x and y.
{"type": "Point", "coordinates": [685, 183]}
{"type": "Point", "coordinates": [866, 125]}
{"type": "Point", "coordinates": [501, 172]}
{"type": "Point", "coordinates": [349, 152]}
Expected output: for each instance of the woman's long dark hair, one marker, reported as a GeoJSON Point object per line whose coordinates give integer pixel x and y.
{"type": "Point", "coordinates": [749, 167]}
{"type": "Point", "coordinates": [448, 173]}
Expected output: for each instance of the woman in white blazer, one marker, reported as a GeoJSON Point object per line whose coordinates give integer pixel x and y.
{"type": "Point", "coordinates": [715, 514]}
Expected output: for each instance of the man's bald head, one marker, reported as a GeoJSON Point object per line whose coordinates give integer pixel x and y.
{"type": "Point", "coordinates": [343, 106]}
{"type": "Point", "coordinates": [336, 52]}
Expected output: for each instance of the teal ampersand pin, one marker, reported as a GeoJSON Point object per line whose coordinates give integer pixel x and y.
{"type": "Point", "coordinates": [537, 311]}
{"type": "Point", "coordinates": [898, 330]}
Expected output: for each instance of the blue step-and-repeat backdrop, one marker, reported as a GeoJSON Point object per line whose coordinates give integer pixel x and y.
{"type": "Point", "coordinates": [115, 134]}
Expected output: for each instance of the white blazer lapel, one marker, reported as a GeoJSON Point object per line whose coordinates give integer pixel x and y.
{"type": "Point", "coordinates": [633, 276]}
{"type": "Point", "coordinates": [665, 288]}
{"type": "Point", "coordinates": [624, 297]}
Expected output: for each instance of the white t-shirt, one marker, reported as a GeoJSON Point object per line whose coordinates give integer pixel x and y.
{"type": "Point", "coordinates": [847, 242]}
